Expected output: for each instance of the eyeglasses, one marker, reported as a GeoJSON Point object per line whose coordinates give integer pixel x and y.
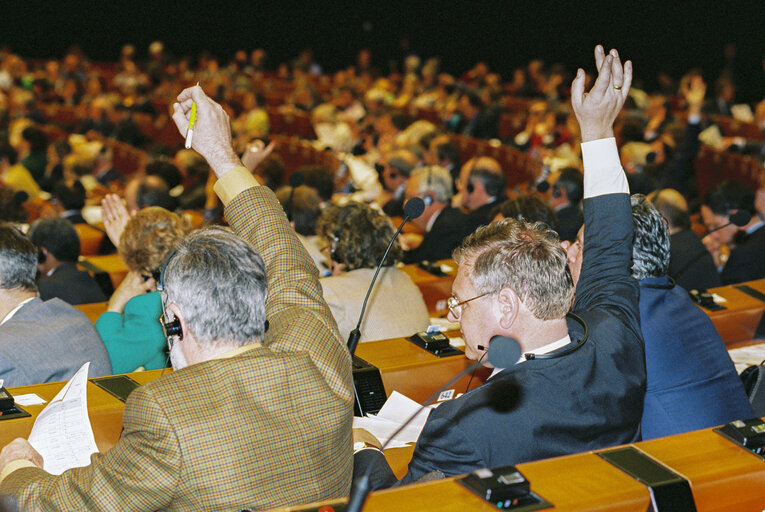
{"type": "Point", "coordinates": [455, 306]}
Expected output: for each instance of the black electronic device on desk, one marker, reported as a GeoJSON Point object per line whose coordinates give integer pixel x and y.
{"type": "Point", "coordinates": [748, 434]}
{"type": "Point", "coordinates": [368, 387]}
{"type": "Point", "coordinates": [504, 487]}
{"type": "Point", "coordinates": [705, 299]}
{"type": "Point", "coordinates": [432, 268]}
{"type": "Point", "coordinates": [8, 407]}
{"type": "Point", "coordinates": [437, 343]}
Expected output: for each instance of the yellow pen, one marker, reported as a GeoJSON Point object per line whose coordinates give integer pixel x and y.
{"type": "Point", "coordinates": [192, 122]}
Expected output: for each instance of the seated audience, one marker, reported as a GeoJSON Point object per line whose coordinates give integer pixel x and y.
{"type": "Point", "coordinates": [581, 384]}
{"type": "Point", "coordinates": [33, 152]}
{"type": "Point", "coordinates": [40, 341]}
{"type": "Point", "coordinates": [71, 198]}
{"type": "Point", "coordinates": [481, 188]}
{"type": "Point", "coordinates": [690, 264]}
{"type": "Point", "coordinates": [747, 252]}
{"type": "Point", "coordinates": [130, 327]}
{"type": "Point", "coordinates": [565, 198]}
{"type": "Point", "coordinates": [395, 173]}
{"type": "Point", "coordinates": [59, 247]}
{"type": "Point", "coordinates": [277, 405]}
{"type": "Point", "coordinates": [444, 227]}
{"type": "Point", "coordinates": [356, 237]}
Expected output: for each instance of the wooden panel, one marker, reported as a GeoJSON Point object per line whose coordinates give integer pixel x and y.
{"type": "Point", "coordinates": [90, 239]}
{"type": "Point", "coordinates": [94, 310]}
{"type": "Point", "coordinates": [112, 264]}
{"type": "Point", "coordinates": [738, 322]}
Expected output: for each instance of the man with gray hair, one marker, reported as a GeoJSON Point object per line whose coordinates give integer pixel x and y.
{"type": "Point", "coordinates": [253, 416]}
{"type": "Point", "coordinates": [580, 385]}
{"type": "Point", "coordinates": [40, 341]}
{"type": "Point", "coordinates": [444, 226]}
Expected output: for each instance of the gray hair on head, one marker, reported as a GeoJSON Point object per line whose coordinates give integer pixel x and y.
{"type": "Point", "coordinates": [650, 247]}
{"type": "Point", "coordinates": [525, 257]}
{"type": "Point", "coordinates": [436, 180]}
{"type": "Point", "coordinates": [219, 283]}
{"type": "Point", "coordinates": [18, 259]}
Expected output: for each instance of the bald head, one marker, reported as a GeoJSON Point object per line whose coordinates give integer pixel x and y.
{"type": "Point", "coordinates": [673, 207]}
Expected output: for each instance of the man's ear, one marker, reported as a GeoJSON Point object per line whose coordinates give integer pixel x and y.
{"type": "Point", "coordinates": [509, 306]}
{"type": "Point", "coordinates": [175, 313]}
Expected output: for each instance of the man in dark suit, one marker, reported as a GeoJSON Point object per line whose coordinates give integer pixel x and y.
{"type": "Point", "coordinates": [690, 263]}
{"type": "Point", "coordinates": [746, 261]}
{"type": "Point", "coordinates": [572, 392]}
{"type": "Point", "coordinates": [691, 381]}
{"type": "Point", "coordinates": [483, 189]}
{"type": "Point", "coordinates": [476, 119]}
{"type": "Point", "coordinates": [444, 226]}
{"type": "Point", "coordinates": [59, 247]}
{"type": "Point", "coordinates": [565, 200]}
{"type": "Point", "coordinates": [249, 418]}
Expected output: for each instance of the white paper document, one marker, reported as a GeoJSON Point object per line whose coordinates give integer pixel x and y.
{"type": "Point", "coordinates": [28, 399]}
{"type": "Point", "coordinates": [62, 433]}
{"type": "Point", "coordinates": [397, 409]}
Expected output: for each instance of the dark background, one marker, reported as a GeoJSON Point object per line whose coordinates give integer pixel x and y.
{"type": "Point", "coordinates": [669, 36]}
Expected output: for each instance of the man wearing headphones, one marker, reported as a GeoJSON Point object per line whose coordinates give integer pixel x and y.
{"type": "Point", "coordinates": [444, 226]}
{"type": "Point", "coordinates": [253, 416]}
{"type": "Point", "coordinates": [565, 199]}
{"type": "Point", "coordinates": [482, 190]}
{"type": "Point", "coordinates": [581, 383]}
{"type": "Point", "coordinates": [59, 247]}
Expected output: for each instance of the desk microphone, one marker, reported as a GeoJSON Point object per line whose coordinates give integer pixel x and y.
{"type": "Point", "coordinates": [503, 352]}
{"type": "Point", "coordinates": [741, 218]}
{"type": "Point", "coordinates": [412, 209]}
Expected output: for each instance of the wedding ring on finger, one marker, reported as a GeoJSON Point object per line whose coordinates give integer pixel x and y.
{"type": "Point", "coordinates": [617, 87]}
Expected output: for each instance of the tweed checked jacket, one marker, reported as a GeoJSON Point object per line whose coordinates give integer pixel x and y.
{"type": "Point", "coordinates": [267, 427]}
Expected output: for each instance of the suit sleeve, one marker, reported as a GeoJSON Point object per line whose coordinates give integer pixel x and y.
{"type": "Point", "coordinates": [606, 279]}
{"type": "Point", "coordinates": [141, 472]}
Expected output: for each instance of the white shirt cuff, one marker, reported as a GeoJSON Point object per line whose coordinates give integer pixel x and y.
{"type": "Point", "coordinates": [603, 173]}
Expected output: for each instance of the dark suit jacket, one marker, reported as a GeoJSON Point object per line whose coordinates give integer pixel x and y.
{"type": "Point", "coordinates": [480, 216]}
{"type": "Point", "coordinates": [447, 232]}
{"type": "Point", "coordinates": [570, 219]}
{"type": "Point", "coordinates": [691, 381]}
{"type": "Point", "coordinates": [690, 264]}
{"type": "Point", "coordinates": [267, 427]}
{"type": "Point", "coordinates": [589, 399]}
{"type": "Point", "coordinates": [71, 285]}
{"type": "Point", "coordinates": [747, 260]}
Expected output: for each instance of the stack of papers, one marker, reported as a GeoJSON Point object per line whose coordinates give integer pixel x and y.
{"type": "Point", "coordinates": [396, 411]}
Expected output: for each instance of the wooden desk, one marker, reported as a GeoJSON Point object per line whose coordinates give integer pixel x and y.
{"type": "Point", "coordinates": [415, 372]}
{"type": "Point", "coordinates": [723, 478]}
{"type": "Point", "coordinates": [435, 289]}
{"type": "Point", "coordinates": [112, 264]}
{"type": "Point", "coordinates": [90, 239]}
{"type": "Point", "coordinates": [93, 311]}
{"type": "Point", "coordinates": [738, 323]}
{"type": "Point", "coordinates": [105, 411]}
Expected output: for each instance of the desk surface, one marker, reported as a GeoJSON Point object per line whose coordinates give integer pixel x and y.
{"type": "Point", "coordinates": [737, 324]}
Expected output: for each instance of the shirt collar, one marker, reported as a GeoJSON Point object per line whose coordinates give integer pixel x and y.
{"type": "Point", "coordinates": [555, 345]}
{"type": "Point", "coordinates": [15, 310]}
{"type": "Point", "coordinates": [432, 221]}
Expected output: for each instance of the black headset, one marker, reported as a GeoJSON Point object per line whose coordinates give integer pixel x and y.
{"type": "Point", "coordinates": [564, 351]}
{"type": "Point", "coordinates": [173, 327]}
{"type": "Point", "coordinates": [428, 199]}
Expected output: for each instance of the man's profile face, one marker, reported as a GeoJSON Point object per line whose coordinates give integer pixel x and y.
{"type": "Point", "coordinates": [477, 320]}
{"type": "Point", "coordinates": [714, 221]}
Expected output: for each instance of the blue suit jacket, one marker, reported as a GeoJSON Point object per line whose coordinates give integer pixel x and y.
{"type": "Point", "coordinates": [692, 383]}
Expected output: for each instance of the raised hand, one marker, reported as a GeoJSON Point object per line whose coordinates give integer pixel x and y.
{"type": "Point", "coordinates": [115, 217]}
{"type": "Point", "coordinates": [596, 111]}
{"type": "Point", "coordinates": [212, 131]}
{"type": "Point", "coordinates": [255, 153]}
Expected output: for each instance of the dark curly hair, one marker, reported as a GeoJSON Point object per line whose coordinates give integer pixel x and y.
{"type": "Point", "coordinates": [358, 235]}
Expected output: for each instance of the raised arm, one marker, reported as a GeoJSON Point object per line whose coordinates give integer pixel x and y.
{"type": "Point", "coordinates": [605, 273]}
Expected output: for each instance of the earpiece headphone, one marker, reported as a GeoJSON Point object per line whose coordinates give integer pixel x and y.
{"type": "Point", "coordinates": [41, 256]}
{"type": "Point", "coordinates": [173, 327]}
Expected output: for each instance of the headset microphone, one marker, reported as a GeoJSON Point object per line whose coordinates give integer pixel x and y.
{"type": "Point", "coordinates": [412, 209]}
{"type": "Point", "coordinates": [741, 218]}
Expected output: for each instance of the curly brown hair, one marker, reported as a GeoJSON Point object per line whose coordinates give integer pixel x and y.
{"type": "Point", "coordinates": [149, 237]}
{"type": "Point", "coordinates": [358, 235]}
